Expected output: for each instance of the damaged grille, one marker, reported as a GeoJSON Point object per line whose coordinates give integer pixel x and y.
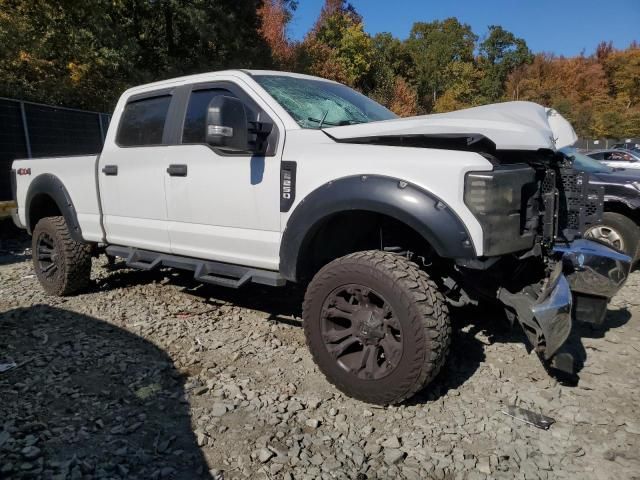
{"type": "Point", "coordinates": [529, 198]}
{"type": "Point", "coordinates": [571, 204]}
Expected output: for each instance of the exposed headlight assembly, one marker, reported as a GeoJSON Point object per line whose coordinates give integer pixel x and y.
{"type": "Point", "coordinates": [498, 199]}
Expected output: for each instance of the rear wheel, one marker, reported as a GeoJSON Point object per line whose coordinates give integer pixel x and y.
{"type": "Point", "coordinates": [376, 325]}
{"type": "Point", "coordinates": [62, 265]}
{"type": "Point", "coordinates": [618, 231]}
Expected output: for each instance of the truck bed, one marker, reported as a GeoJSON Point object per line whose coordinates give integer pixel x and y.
{"type": "Point", "coordinates": [78, 174]}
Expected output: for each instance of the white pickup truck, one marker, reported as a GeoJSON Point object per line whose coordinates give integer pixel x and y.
{"type": "Point", "coordinates": [271, 177]}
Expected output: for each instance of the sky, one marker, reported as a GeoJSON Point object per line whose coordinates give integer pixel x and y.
{"type": "Point", "coordinates": [563, 27]}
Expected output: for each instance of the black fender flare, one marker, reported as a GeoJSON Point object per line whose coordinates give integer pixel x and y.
{"type": "Point", "coordinates": [52, 186]}
{"type": "Point", "coordinates": [424, 212]}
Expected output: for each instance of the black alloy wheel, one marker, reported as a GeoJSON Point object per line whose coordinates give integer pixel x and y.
{"type": "Point", "coordinates": [376, 325]}
{"type": "Point", "coordinates": [361, 332]}
{"type": "Point", "coordinates": [62, 264]}
{"type": "Point", "coordinates": [46, 255]}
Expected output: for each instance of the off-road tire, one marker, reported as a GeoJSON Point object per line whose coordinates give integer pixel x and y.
{"type": "Point", "coordinates": [73, 259]}
{"type": "Point", "coordinates": [626, 229]}
{"type": "Point", "coordinates": [418, 305]}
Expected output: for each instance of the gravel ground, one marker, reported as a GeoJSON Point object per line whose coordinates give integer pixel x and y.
{"type": "Point", "coordinates": [151, 375]}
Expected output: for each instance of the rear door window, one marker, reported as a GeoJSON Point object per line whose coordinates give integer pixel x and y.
{"type": "Point", "coordinates": [142, 122]}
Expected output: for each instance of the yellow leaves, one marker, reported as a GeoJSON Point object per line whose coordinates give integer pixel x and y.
{"type": "Point", "coordinates": [448, 102]}
{"type": "Point", "coordinates": [77, 72]}
{"type": "Point", "coordinates": [28, 62]}
{"type": "Point", "coordinates": [463, 78]}
{"type": "Point", "coordinates": [355, 52]}
{"type": "Point", "coordinates": [600, 94]}
{"type": "Point", "coordinates": [624, 69]}
{"type": "Point", "coordinates": [340, 49]}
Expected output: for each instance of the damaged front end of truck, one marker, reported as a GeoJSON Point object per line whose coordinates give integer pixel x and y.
{"type": "Point", "coordinates": [537, 205]}
{"type": "Point", "coordinates": [533, 207]}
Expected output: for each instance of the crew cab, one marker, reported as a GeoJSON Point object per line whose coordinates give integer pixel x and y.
{"type": "Point", "coordinates": [271, 177]}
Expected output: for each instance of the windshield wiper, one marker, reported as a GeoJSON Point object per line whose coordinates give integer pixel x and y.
{"type": "Point", "coordinates": [322, 120]}
{"type": "Point", "coordinates": [324, 117]}
{"type": "Point", "coordinates": [333, 124]}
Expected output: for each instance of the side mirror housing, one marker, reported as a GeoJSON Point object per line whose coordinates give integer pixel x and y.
{"type": "Point", "coordinates": [227, 124]}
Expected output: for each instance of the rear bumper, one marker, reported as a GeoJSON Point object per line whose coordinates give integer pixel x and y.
{"type": "Point", "coordinates": [585, 278]}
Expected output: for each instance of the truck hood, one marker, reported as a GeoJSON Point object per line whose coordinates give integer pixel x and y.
{"type": "Point", "coordinates": [509, 125]}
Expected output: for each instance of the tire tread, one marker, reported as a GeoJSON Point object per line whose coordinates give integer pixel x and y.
{"type": "Point", "coordinates": [424, 305]}
{"type": "Point", "coordinates": [76, 258]}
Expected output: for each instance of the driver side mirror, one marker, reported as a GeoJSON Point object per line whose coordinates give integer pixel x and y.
{"type": "Point", "coordinates": [227, 124]}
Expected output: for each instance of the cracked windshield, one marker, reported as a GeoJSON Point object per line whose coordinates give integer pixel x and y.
{"type": "Point", "coordinates": [318, 104]}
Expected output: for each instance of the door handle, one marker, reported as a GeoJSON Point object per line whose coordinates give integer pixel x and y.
{"type": "Point", "coordinates": [177, 170]}
{"type": "Point", "coordinates": [110, 170]}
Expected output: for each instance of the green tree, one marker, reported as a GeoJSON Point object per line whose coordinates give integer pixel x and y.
{"type": "Point", "coordinates": [391, 53]}
{"type": "Point", "coordinates": [83, 54]}
{"type": "Point", "coordinates": [390, 61]}
{"type": "Point", "coordinates": [338, 48]}
{"type": "Point", "coordinates": [500, 54]}
{"type": "Point", "coordinates": [433, 46]}
{"type": "Point", "coordinates": [463, 79]}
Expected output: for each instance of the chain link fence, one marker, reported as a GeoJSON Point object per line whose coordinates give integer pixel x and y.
{"type": "Point", "coordinates": [31, 130]}
{"type": "Point", "coordinates": [589, 144]}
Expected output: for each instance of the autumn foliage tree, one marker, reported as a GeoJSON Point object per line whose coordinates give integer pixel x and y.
{"type": "Point", "coordinates": [274, 17]}
{"type": "Point", "coordinates": [598, 94]}
{"type": "Point", "coordinates": [445, 66]}
{"type": "Point", "coordinates": [83, 54]}
{"type": "Point", "coordinates": [337, 47]}
{"type": "Point", "coordinates": [403, 99]}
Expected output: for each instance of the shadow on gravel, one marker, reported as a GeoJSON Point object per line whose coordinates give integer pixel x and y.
{"type": "Point", "coordinates": [13, 243]}
{"type": "Point", "coordinates": [574, 345]}
{"type": "Point", "coordinates": [278, 303]}
{"type": "Point", "coordinates": [90, 400]}
{"type": "Point", "coordinates": [467, 349]}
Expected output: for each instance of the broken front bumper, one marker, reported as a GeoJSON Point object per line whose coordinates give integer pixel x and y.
{"type": "Point", "coordinates": [585, 278]}
{"type": "Point", "coordinates": [595, 273]}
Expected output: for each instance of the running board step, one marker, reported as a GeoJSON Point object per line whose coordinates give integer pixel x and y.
{"type": "Point", "coordinates": [205, 271]}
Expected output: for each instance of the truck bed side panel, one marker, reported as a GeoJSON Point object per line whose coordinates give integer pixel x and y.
{"type": "Point", "coordinates": [78, 176]}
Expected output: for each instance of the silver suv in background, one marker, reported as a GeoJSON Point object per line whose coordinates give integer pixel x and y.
{"type": "Point", "coordinates": [619, 158]}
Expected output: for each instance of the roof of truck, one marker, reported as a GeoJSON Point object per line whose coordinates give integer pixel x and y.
{"type": "Point", "coordinates": [208, 76]}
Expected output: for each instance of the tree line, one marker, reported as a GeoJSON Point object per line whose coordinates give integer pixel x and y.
{"type": "Point", "coordinates": [84, 54]}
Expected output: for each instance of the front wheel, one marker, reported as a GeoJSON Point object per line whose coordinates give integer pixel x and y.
{"type": "Point", "coordinates": [62, 265]}
{"type": "Point", "coordinates": [377, 326]}
{"type": "Point", "coordinates": [618, 231]}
